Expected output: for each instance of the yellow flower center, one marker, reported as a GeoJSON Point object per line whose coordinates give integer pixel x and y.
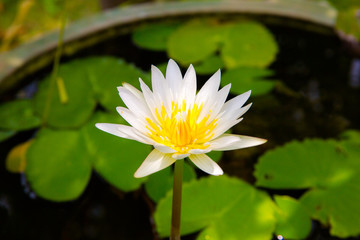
{"type": "Point", "coordinates": [181, 131]}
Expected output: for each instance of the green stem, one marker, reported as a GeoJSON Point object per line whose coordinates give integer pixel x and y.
{"type": "Point", "coordinates": [176, 204]}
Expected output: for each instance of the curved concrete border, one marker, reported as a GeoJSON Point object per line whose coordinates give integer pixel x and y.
{"type": "Point", "coordinates": [32, 56]}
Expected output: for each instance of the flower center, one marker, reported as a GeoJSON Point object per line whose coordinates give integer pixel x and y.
{"type": "Point", "coordinates": [182, 130]}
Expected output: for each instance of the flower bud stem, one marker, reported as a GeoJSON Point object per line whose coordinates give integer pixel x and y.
{"type": "Point", "coordinates": [176, 203]}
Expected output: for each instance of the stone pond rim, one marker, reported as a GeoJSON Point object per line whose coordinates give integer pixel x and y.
{"type": "Point", "coordinates": [34, 55]}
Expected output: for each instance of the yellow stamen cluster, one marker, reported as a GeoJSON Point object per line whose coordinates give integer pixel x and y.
{"type": "Point", "coordinates": [181, 130]}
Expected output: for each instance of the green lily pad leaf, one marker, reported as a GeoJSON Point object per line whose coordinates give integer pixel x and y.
{"type": "Point", "coordinates": [218, 206]}
{"type": "Point", "coordinates": [298, 165]}
{"type": "Point", "coordinates": [351, 136]}
{"type": "Point", "coordinates": [329, 168]}
{"type": "Point", "coordinates": [154, 36]}
{"type": "Point", "coordinates": [106, 74]}
{"type": "Point", "coordinates": [347, 22]}
{"type": "Point", "coordinates": [161, 182]}
{"type": "Point", "coordinates": [245, 79]}
{"type": "Point", "coordinates": [6, 134]}
{"type": "Point", "coordinates": [80, 101]}
{"type": "Point", "coordinates": [248, 44]}
{"type": "Point", "coordinates": [115, 159]}
{"type": "Point", "coordinates": [337, 206]}
{"type": "Point", "coordinates": [58, 166]}
{"type": "Point", "coordinates": [293, 221]}
{"type": "Point", "coordinates": [18, 115]}
{"type": "Point", "coordinates": [194, 41]}
{"type": "Point", "coordinates": [210, 65]}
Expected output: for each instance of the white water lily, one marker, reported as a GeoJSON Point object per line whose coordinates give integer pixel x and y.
{"type": "Point", "coordinates": [180, 123]}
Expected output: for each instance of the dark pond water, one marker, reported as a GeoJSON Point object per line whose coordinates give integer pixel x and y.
{"type": "Point", "coordinates": [320, 100]}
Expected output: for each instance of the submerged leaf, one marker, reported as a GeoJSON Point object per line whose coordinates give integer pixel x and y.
{"type": "Point", "coordinates": [58, 165]}
{"type": "Point", "coordinates": [18, 115]}
{"type": "Point", "coordinates": [219, 206]}
{"type": "Point", "coordinates": [16, 159]}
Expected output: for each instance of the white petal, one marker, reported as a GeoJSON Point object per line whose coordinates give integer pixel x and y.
{"type": "Point", "coordinates": [180, 156]}
{"type": "Point", "coordinates": [207, 94]}
{"type": "Point", "coordinates": [219, 102]}
{"type": "Point", "coordinates": [154, 162]}
{"type": "Point", "coordinates": [199, 151]}
{"type": "Point", "coordinates": [223, 126]}
{"type": "Point", "coordinates": [206, 164]}
{"type": "Point", "coordinates": [174, 78]}
{"type": "Point", "coordinates": [133, 90]}
{"type": "Point", "coordinates": [152, 102]}
{"type": "Point", "coordinates": [189, 86]}
{"type": "Point", "coordinates": [227, 116]}
{"type": "Point", "coordinates": [164, 149]}
{"type": "Point", "coordinates": [136, 105]}
{"type": "Point", "coordinates": [236, 102]}
{"type": "Point", "coordinates": [133, 120]}
{"type": "Point", "coordinates": [232, 141]}
{"type": "Point", "coordinates": [160, 88]}
{"type": "Point", "coordinates": [124, 132]}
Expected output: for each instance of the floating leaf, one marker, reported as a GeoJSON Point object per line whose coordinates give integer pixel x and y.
{"type": "Point", "coordinates": [293, 222]}
{"type": "Point", "coordinates": [115, 159]}
{"type": "Point", "coordinates": [106, 74]}
{"type": "Point", "coordinates": [154, 36]}
{"type": "Point", "coordinates": [18, 115]}
{"type": "Point", "coordinates": [248, 44]}
{"type": "Point", "coordinates": [210, 65]}
{"type": "Point", "coordinates": [5, 134]}
{"type": "Point", "coordinates": [16, 159]}
{"type": "Point", "coordinates": [223, 208]}
{"type": "Point", "coordinates": [58, 165]}
{"type": "Point", "coordinates": [331, 169]}
{"type": "Point", "coordinates": [80, 103]}
{"type": "Point", "coordinates": [194, 41]}
{"type": "Point", "coordinates": [215, 155]}
{"type": "Point", "coordinates": [245, 79]}
{"type": "Point", "coordinates": [161, 182]}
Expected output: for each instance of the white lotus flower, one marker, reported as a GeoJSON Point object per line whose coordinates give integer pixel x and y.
{"type": "Point", "coordinates": [178, 122]}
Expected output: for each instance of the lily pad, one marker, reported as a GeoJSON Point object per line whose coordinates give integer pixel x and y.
{"type": "Point", "coordinates": [194, 41]}
{"type": "Point", "coordinates": [115, 159]}
{"type": "Point", "coordinates": [106, 74]}
{"type": "Point", "coordinates": [81, 102]}
{"type": "Point", "coordinates": [245, 79]}
{"type": "Point", "coordinates": [154, 36]}
{"type": "Point", "coordinates": [161, 182]}
{"type": "Point", "coordinates": [293, 221]}
{"type": "Point", "coordinates": [5, 134]}
{"type": "Point", "coordinates": [222, 208]}
{"type": "Point", "coordinates": [58, 165]}
{"type": "Point", "coordinates": [210, 65]}
{"type": "Point", "coordinates": [18, 115]}
{"type": "Point", "coordinates": [332, 172]}
{"type": "Point", "coordinates": [345, 4]}
{"type": "Point", "coordinates": [248, 44]}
